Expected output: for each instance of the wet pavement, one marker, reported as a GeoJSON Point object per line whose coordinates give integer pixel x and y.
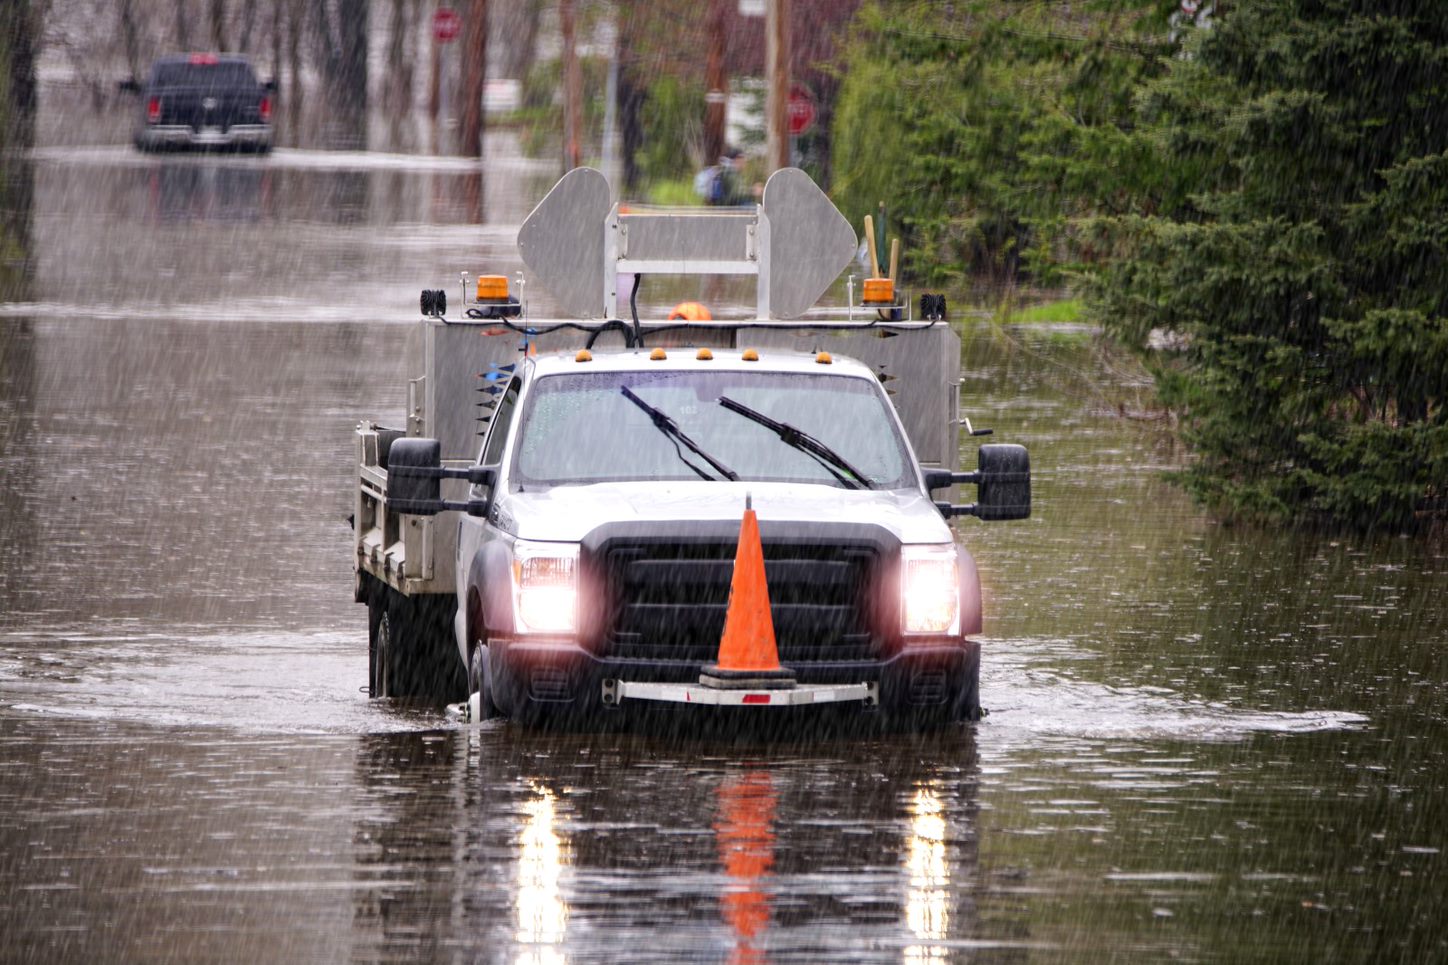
{"type": "Point", "coordinates": [1205, 743]}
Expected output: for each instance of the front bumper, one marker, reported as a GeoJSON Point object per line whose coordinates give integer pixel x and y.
{"type": "Point", "coordinates": [535, 680]}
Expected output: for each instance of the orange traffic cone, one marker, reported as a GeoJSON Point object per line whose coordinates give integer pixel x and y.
{"type": "Point", "coordinates": [748, 655]}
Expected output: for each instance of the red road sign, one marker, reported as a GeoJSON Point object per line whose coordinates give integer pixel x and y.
{"type": "Point", "coordinates": [801, 109]}
{"type": "Point", "coordinates": [446, 25]}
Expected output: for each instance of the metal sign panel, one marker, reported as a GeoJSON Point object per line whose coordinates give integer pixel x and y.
{"type": "Point", "coordinates": [561, 241]}
{"type": "Point", "coordinates": [796, 242]}
{"type": "Point", "coordinates": [810, 242]}
{"type": "Point", "coordinates": [708, 238]}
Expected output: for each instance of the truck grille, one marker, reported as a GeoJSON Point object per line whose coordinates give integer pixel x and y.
{"type": "Point", "coordinates": [667, 601]}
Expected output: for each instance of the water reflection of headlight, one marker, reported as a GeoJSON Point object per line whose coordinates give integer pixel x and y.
{"type": "Point", "coordinates": [542, 913]}
{"type": "Point", "coordinates": [927, 903]}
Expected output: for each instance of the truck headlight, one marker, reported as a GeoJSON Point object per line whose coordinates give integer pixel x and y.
{"type": "Point", "coordinates": [930, 590]}
{"type": "Point", "coordinates": [545, 587]}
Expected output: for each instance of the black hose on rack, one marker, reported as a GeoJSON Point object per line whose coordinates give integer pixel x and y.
{"type": "Point", "coordinates": [633, 304]}
{"type": "Point", "coordinates": [630, 338]}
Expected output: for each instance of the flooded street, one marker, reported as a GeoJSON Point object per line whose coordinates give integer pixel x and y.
{"type": "Point", "coordinates": [1203, 743]}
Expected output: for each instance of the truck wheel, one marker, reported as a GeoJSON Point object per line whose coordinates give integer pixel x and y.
{"type": "Point", "coordinates": [480, 682]}
{"type": "Point", "coordinates": [379, 645]}
{"type": "Point", "coordinates": [387, 613]}
{"type": "Point", "coordinates": [375, 657]}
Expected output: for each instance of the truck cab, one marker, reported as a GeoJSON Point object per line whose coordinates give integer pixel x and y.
{"type": "Point", "coordinates": [594, 516]}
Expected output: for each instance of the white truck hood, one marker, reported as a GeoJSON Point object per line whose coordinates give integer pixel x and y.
{"type": "Point", "coordinates": [568, 513]}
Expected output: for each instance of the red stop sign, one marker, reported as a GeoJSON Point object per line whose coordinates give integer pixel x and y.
{"type": "Point", "coordinates": [801, 109]}
{"type": "Point", "coordinates": [446, 25]}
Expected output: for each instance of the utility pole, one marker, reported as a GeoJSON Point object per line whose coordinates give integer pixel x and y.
{"type": "Point", "coordinates": [776, 57]}
{"type": "Point", "coordinates": [716, 83]}
{"type": "Point", "coordinates": [475, 73]}
{"type": "Point", "coordinates": [434, 92]}
{"type": "Point", "coordinates": [572, 89]}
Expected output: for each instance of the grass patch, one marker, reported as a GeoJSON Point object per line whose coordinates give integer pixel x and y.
{"type": "Point", "coordinates": [674, 192]}
{"type": "Point", "coordinates": [1063, 311]}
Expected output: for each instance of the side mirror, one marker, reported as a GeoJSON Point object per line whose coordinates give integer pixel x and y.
{"type": "Point", "coordinates": [128, 86]}
{"type": "Point", "coordinates": [1003, 478]}
{"type": "Point", "coordinates": [408, 489]}
{"type": "Point", "coordinates": [1005, 482]}
{"type": "Point", "coordinates": [270, 86]}
{"type": "Point", "coordinates": [414, 479]}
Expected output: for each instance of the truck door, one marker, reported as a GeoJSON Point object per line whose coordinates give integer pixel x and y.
{"type": "Point", "coordinates": [474, 532]}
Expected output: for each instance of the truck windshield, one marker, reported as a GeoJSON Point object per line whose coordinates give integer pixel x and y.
{"type": "Point", "coordinates": [583, 428]}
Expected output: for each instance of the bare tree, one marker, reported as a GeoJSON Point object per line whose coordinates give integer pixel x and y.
{"type": "Point", "coordinates": [632, 91]}
{"type": "Point", "coordinates": [277, 28]}
{"type": "Point", "coordinates": [716, 81]}
{"type": "Point", "coordinates": [20, 33]}
{"type": "Point", "coordinates": [475, 73]}
{"type": "Point", "coordinates": [183, 26]}
{"type": "Point", "coordinates": [397, 95]}
{"type": "Point", "coordinates": [248, 22]}
{"type": "Point", "coordinates": [572, 89]}
{"type": "Point", "coordinates": [342, 50]}
{"type": "Point", "coordinates": [218, 24]}
{"type": "Point", "coordinates": [295, 21]}
{"type": "Point", "coordinates": [127, 12]}
{"type": "Point", "coordinates": [516, 23]}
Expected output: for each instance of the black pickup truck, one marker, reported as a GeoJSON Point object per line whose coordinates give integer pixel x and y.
{"type": "Point", "coordinates": [203, 101]}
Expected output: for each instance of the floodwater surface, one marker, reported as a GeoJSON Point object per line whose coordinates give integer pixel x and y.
{"type": "Point", "coordinates": [1204, 743]}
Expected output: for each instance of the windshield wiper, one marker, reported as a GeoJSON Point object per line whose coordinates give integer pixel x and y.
{"type": "Point", "coordinates": [671, 429]}
{"type": "Point", "coordinates": [805, 443]}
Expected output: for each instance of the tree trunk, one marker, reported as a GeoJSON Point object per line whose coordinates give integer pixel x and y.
{"type": "Point", "coordinates": [352, 78]}
{"type": "Point", "coordinates": [342, 45]}
{"type": "Point", "coordinates": [218, 25]}
{"type": "Point", "coordinates": [276, 39]}
{"type": "Point", "coordinates": [20, 36]}
{"type": "Point", "coordinates": [129, 38]}
{"type": "Point", "coordinates": [294, 71]}
{"type": "Point", "coordinates": [517, 20]}
{"type": "Point", "coordinates": [248, 21]}
{"type": "Point", "coordinates": [397, 90]}
{"type": "Point", "coordinates": [475, 72]}
{"type": "Point", "coordinates": [716, 83]}
{"type": "Point", "coordinates": [183, 26]}
{"type": "Point", "coordinates": [630, 94]}
{"type": "Point", "coordinates": [572, 89]}
{"type": "Point", "coordinates": [776, 67]}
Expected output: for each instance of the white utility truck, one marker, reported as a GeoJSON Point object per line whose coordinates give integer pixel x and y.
{"type": "Point", "coordinates": [554, 532]}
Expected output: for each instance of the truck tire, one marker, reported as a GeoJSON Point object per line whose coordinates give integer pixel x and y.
{"type": "Point", "coordinates": [381, 647]}
{"type": "Point", "coordinates": [480, 682]}
{"type": "Point", "coordinates": [378, 645]}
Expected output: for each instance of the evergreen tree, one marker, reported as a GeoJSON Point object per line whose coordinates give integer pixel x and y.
{"type": "Point", "coordinates": [1296, 274]}
{"type": "Point", "coordinates": [992, 129]}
